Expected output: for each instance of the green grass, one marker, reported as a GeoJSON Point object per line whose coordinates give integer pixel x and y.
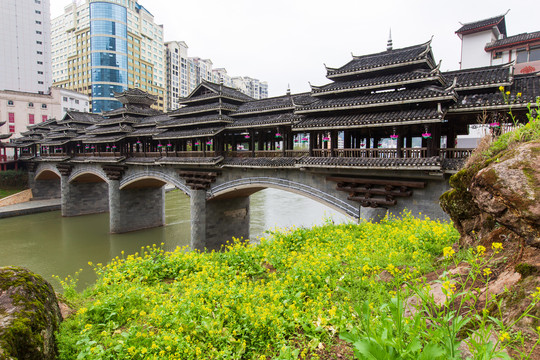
{"type": "Point", "coordinates": [5, 193]}
{"type": "Point", "coordinates": [287, 298]}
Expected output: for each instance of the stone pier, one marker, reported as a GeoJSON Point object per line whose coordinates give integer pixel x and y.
{"type": "Point", "coordinates": [216, 221]}
{"type": "Point", "coordinates": [135, 208]}
{"type": "Point", "coordinates": [88, 194]}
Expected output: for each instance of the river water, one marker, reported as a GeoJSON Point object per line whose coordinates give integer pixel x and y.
{"type": "Point", "coordinates": [50, 244]}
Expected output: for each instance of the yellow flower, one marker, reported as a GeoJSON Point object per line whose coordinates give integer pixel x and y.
{"type": "Point", "coordinates": [480, 250]}
{"type": "Point", "coordinates": [519, 94]}
{"type": "Point", "coordinates": [448, 252]}
{"type": "Point", "coordinates": [487, 271]}
{"type": "Point", "coordinates": [501, 88]}
{"type": "Point", "coordinates": [496, 246]}
{"type": "Point", "coordinates": [144, 350]}
{"type": "Point", "coordinates": [508, 93]}
{"type": "Point", "coordinates": [504, 337]}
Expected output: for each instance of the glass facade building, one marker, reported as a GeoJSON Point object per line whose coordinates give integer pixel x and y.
{"type": "Point", "coordinates": [109, 57]}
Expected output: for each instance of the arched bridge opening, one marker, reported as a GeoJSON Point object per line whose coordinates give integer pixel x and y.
{"type": "Point", "coordinates": [47, 184]}
{"type": "Point", "coordinates": [85, 192]}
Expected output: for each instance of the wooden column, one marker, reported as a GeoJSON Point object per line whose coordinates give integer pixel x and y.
{"type": "Point", "coordinates": [399, 145]}
{"type": "Point", "coordinates": [311, 142]}
{"type": "Point", "coordinates": [333, 142]}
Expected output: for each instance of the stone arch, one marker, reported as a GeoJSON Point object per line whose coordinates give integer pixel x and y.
{"type": "Point", "coordinates": [241, 185]}
{"type": "Point", "coordinates": [47, 172]}
{"type": "Point", "coordinates": [155, 175]}
{"type": "Point", "coordinates": [82, 172]}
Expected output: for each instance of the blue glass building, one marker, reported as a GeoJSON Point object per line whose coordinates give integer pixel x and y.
{"type": "Point", "coordinates": [109, 57]}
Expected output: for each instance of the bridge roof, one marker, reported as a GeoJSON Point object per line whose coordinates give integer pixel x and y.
{"type": "Point", "coordinates": [372, 119]}
{"type": "Point", "coordinates": [381, 99]}
{"type": "Point", "coordinates": [93, 139]}
{"type": "Point", "coordinates": [195, 120]}
{"type": "Point", "coordinates": [80, 118]}
{"type": "Point", "coordinates": [198, 109]}
{"type": "Point", "coordinates": [145, 131]}
{"type": "Point", "coordinates": [214, 91]}
{"type": "Point", "coordinates": [152, 120]}
{"type": "Point", "coordinates": [124, 119]}
{"type": "Point", "coordinates": [481, 78]}
{"type": "Point", "coordinates": [390, 59]}
{"type": "Point", "coordinates": [114, 129]}
{"type": "Point", "coordinates": [188, 134]}
{"type": "Point", "coordinates": [526, 84]}
{"type": "Point", "coordinates": [132, 109]}
{"type": "Point", "coordinates": [264, 121]}
{"type": "Point", "coordinates": [381, 82]}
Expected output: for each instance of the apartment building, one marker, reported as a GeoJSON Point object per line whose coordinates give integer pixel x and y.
{"type": "Point", "coordinates": [25, 33]}
{"type": "Point", "coordinates": [100, 47]}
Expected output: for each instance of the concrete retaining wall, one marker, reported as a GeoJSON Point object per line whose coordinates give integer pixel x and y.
{"type": "Point", "coordinates": [17, 198]}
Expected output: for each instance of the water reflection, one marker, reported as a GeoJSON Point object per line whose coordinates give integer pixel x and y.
{"type": "Point", "coordinates": [50, 245]}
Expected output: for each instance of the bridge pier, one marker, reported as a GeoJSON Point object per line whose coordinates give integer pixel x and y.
{"type": "Point", "coordinates": [216, 221]}
{"type": "Point", "coordinates": [136, 208]}
{"type": "Point", "coordinates": [83, 198]}
{"type": "Point", "coordinates": [374, 215]}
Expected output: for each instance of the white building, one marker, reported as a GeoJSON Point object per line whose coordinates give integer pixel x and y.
{"type": "Point", "coordinates": [485, 43]}
{"type": "Point", "coordinates": [21, 109]}
{"type": "Point", "coordinates": [251, 87]}
{"type": "Point", "coordinates": [100, 47]}
{"type": "Point", "coordinates": [177, 72]}
{"type": "Point", "coordinates": [25, 56]}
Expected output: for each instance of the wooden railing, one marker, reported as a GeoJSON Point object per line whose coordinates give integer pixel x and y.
{"type": "Point", "coordinates": [455, 153]}
{"type": "Point", "coordinates": [267, 153]}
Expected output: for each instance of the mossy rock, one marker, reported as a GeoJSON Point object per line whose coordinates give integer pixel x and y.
{"type": "Point", "coordinates": [525, 269]}
{"type": "Point", "coordinates": [29, 316]}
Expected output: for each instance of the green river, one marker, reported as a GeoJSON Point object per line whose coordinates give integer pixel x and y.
{"type": "Point", "coordinates": [50, 244]}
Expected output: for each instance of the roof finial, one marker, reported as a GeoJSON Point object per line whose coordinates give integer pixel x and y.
{"type": "Point", "coordinates": [389, 43]}
{"type": "Point", "coordinates": [288, 89]}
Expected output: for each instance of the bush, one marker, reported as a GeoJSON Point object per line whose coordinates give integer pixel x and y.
{"type": "Point", "coordinates": [13, 179]}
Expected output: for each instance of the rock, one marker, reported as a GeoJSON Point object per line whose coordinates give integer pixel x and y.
{"type": "Point", "coordinates": [29, 316]}
{"type": "Point", "coordinates": [466, 345]}
{"type": "Point", "coordinates": [508, 189]}
{"type": "Point", "coordinates": [385, 276]}
{"type": "Point", "coordinates": [504, 281]}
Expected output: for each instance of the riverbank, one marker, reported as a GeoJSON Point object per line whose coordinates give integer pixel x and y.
{"type": "Point", "coordinates": [291, 295]}
{"type": "Point", "coordinates": [29, 207]}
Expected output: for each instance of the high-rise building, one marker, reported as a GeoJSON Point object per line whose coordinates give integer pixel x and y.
{"type": "Point", "coordinates": [252, 87]}
{"type": "Point", "coordinates": [100, 47]}
{"type": "Point", "coordinates": [25, 56]}
{"type": "Point", "coordinates": [185, 73]}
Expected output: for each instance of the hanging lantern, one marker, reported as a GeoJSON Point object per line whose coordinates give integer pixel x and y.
{"type": "Point", "coordinates": [92, 147]}
{"type": "Point", "coordinates": [278, 135]}
{"type": "Point", "coordinates": [426, 135]}
{"type": "Point", "coordinates": [304, 139]}
{"type": "Point", "coordinates": [114, 147]}
{"type": "Point", "coordinates": [394, 137]}
{"type": "Point", "coordinates": [87, 147]}
{"type": "Point", "coordinates": [209, 142]}
{"type": "Point", "coordinates": [362, 144]}
{"type": "Point", "coordinates": [78, 145]}
{"type": "Point", "coordinates": [159, 146]}
{"type": "Point", "coordinates": [325, 139]}
{"type": "Point", "coordinates": [107, 147]}
{"type": "Point", "coordinates": [495, 125]}
{"type": "Point", "coordinates": [247, 137]}
{"type": "Point", "coordinates": [380, 144]}
{"type": "Point", "coordinates": [138, 142]}
{"type": "Point", "coordinates": [295, 140]}
{"type": "Point", "coordinates": [197, 143]}
{"type": "Point", "coordinates": [169, 145]}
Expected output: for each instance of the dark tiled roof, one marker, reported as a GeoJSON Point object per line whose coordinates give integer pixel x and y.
{"type": "Point", "coordinates": [273, 103]}
{"type": "Point", "coordinates": [483, 25]}
{"type": "Point", "coordinates": [264, 120]}
{"type": "Point", "coordinates": [110, 130]}
{"type": "Point", "coordinates": [390, 80]}
{"type": "Point", "coordinates": [389, 118]}
{"type": "Point", "coordinates": [52, 142]}
{"type": "Point", "coordinates": [146, 131]}
{"type": "Point", "coordinates": [189, 160]}
{"type": "Point", "coordinates": [152, 120]}
{"type": "Point", "coordinates": [119, 120]}
{"type": "Point", "coordinates": [527, 84]}
{"type": "Point", "coordinates": [92, 139]}
{"type": "Point", "coordinates": [195, 109]}
{"type": "Point", "coordinates": [392, 58]}
{"type": "Point", "coordinates": [186, 134]}
{"type": "Point", "coordinates": [489, 76]}
{"type": "Point", "coordinates": [379, 99]}
{"type": "Point", "coordinates": [513, 40]}
{"type": "Point", "coordinates": [136, 96]}
{"type": "Point", "coordinates": [227, 91]}
{"type": "Point", "coordinates": [190, 121]}
{"type": "Point", "coordinates": [81, 118]}
{"type": "Point", "coordinates": [133, 110]}
{"type": "Point", "coordinates": [248, 162]}
{"type": "Point", "coordinates": [392, 163]}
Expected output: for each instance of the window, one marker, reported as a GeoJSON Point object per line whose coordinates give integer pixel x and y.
{"type": "Point", "coordinates": [40, 52]}
{"type": "Point", "coordinates": [38, 12]}
{"type": "Point", "coordinates": [40, 62]}
{"type": "Point", "coordinates": [11, 117]}
{"type": "Point", "coordinates": [39, 42]}
{"type": "Point", "coordinates": [534, 54]}
{"type": "Point", "coordinates": [10, 102]}
{"type": "Point", "coordinates": [521, 56]}
{"type": "Point", "coordinates": [31, 119]}
{"type": "Point", "coordinates": [37, 1]}
{"type": "Point", "coordinates": [40, 82]}
{"type": "Point", "coordinates": [40, 72]}
{"type": "Point", "coordinates": [12, 128]}
{"type": "Point", "coordinates": [43, 106]}
{"type": "Point", "coordinates": [65, 98]}
{"type": "Point", "coordinates": [38, 32]}
{"type": "Point", "coordinates": [30, 104]}
{"type": "Point", "coordinates": [497, 55]}
{"type": "Point", "coordinates": [38, 22]}
{"type": "Point", "coordinates": [43, 118]}
{"type": "Point", "coordinates": [76, 101]}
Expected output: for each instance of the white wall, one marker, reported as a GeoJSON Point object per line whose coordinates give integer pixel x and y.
{"type": "Point", "coordinates": [473, 53]}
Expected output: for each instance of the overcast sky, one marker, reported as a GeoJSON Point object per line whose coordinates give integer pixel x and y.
{"type": "Point", "coordinates": [288, 41]}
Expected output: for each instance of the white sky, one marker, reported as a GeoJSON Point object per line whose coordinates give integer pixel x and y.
{"type": "Point", "coordinates": [288, 41]}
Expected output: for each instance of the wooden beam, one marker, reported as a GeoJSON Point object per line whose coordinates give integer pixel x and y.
{"type": "Point", "coordinates": [374, 191]}
{"type": "Point", "coordinates": [411, 184]}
